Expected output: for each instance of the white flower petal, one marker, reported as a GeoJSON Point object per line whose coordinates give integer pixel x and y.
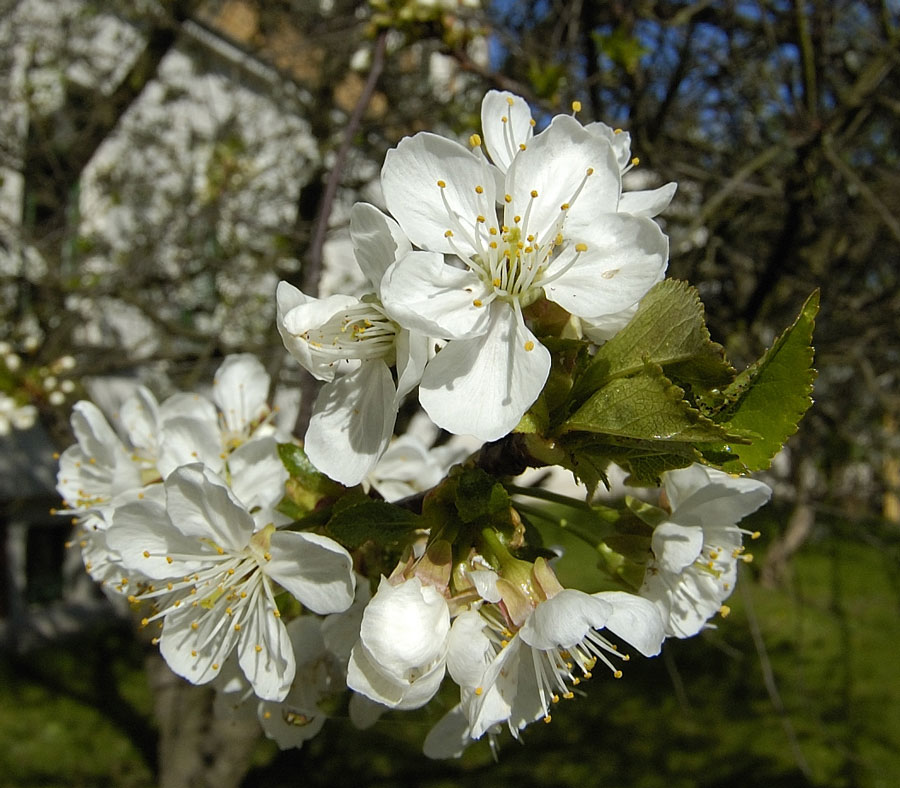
{"type": "Point", "coordinates": [425, 210]}
{"type": "Point", "coordinates": [412, 354]}
{"type": "Point", "coordinates": [378, 242]}
{"type": "Point", "coordinates": [270, 669]}
{"type": "Point", "coordinates": [563, 620]}
{"type": "Point", "coordinates": [506, 124]}
{"type": "Point", "coordinates": [201, 505]}
{"type": "Point", "coordinates": [648, 202]}
{"type": "Point", "coordinates": [483, 386]}
{"type": "Point", "coordinates": [424, 294]}
{"type": "Point", "coordinates": [555, 165]}
{"type": "Point", "coordinates": [635, 620]}
{"type": "Point", "coordinates": [240, 389]}
{"type": "Point", "coordinates": [257, 473]}
{"type": "Point", "coordinates": [314, 568]}
{"type": "Point", "coordinates": [450, 736]}
{"type": "Point", "coordinates": [365, 676]}
{"type": "Point", "coordinates": [469, 650]}
{"type": "Point", "coordinates": [297, 322]}
{"type": "Point", "coordinates": [352, 423]}
{"type": "Point", "coordinates": [185, 440]}
{"type": "Point", "coordinates": [676, 546]}
{"type": "Point", "coordinates": [624, 259]}
{"type": "Point", "coordinates": [139, 415]}
{"type": "Point", "coordinates": [191, 653]}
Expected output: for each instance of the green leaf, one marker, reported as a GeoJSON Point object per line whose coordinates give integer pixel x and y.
{"type": "Point", "coordinates": [648, 407]}
{"type": "Point", "coordinates": [377, 521]}
{"type": "Point", "coordinates": [669, 329]}
{"type": "Point", "coordinates": [478, 494]}
{"type": "Point", "coordinates": [769, 398]}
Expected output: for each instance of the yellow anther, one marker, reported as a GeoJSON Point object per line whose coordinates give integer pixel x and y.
{"type": "Point", "coordinates": [504, 119]}
{"type": "Point", "coordinates": [267, 715]}
{"type": "Point", "coordinates": [267, 555]}
{"type": "Point", "coordinates": [495, 282]}
{"type": "Point", "coordinates": [237, 627]}
{"type": "Point", "coordinates": [258, 648]}
{"type": "Point", "coordinates": [509, 100]}
{"type": "Point", "coordinates": [146, 553]}
{"type": "Point", "coordinates": [477, 302]}
{"type": "Point", "coordinates": [132, 599]}
{"type": "Point", "coordinates": [479, 690]}
{"type": "Point", "coordinates": [580, 247]}
{"type": "Point", "coordinates": [617, 674]}
{"type": "Point", "coordinates": [442, 184]}
{"type": "Point", "coordinates": [554, 699]}
{"type": "Point", "coordinates": [534, 193]}
{"type": "Point", "coordinates": [724, 611]}
{"type": "Point", "coordinates": [576, 681]}
{"type": "Point", "coordinates": [493, 244]}
{"type": "Point", "coordinates": [547, 719]}
{"type": "Point", "coordinates": [276, 613]}
{"type": "Point", "coordinates": [635, 161]}
{"type": "Point", "coordinates": [558, 240]}
{"type": "Point", "coordinates": [170, 586]}
{"type": "Point", "coordinates": [231, 571]}
{"type": "Point", "coordinates": [588, 674]}
{"type": "Point", "coordinates": [517, 219]}
{"type": "Point", "coordinates": [479, 190]}
{"type": "Point", "coordinates": [145, 621]}
{"type": "Point", "coordinates": [590, 170]}
{"type": "Point", "coordinates": [481, 219]}
{"type": "Point", "coordinates": [755, 535]}
{"type": "Point", "coordinates": [169, 559]}
{"type": "Point", "coordinates": [448, 234]}
{"type": "Point", "coordinates": [229, 611]}
{"type": "Point", "coordinates": [220, 551]}
{"type": "Point", "coordinates": [617, 131]}
{"type": "Point", "coordinates": [194, 625]}
{"type": "Point", "coordinates": [215, 666]}
{"type": "Point", "coordinates": [569, 695]}
{"type": "Point", "coordinates": [576, 106]}
{"type": "Point", "coordinates": [564, 207]}
{"type": "Point", "coordinates": [522, 146]}
{"type": "Point", "coordinates": [507, 198]}
{"type": "Point", "coordinates": [474, 140]}
{"type": "Point", "coordinates": [532, 122]}
{"type": "Point", "coordinates": [504, 643]}
{"type": "Point", "coordinates": [154, 641]}
{"type": "Point", "coordinates": [529, 345]}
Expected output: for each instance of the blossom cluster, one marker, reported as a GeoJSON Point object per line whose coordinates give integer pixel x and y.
{"type": "Point", "coordinates": [283, 588]}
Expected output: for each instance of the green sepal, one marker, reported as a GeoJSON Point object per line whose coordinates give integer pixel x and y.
{"type": "Point", "coordinates": [767, 400]}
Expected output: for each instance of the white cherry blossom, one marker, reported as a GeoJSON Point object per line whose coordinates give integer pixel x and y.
{"type": "Point", "coordinates": [353, 417]}
{"type": "Point", "coordinates": [557, 235]}
{"type": "Point", "coordinates": [697, 549]}
{"type": "Point", "coordinates": [215, 575]}
{"type": "Point", "coordinates": [400, 658]}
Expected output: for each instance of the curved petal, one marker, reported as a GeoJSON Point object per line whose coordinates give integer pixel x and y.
{"type": "Point", "coordinates": [412, 355]}
{"type": "Point", "coordinates": [146, 540]}
{"type": "Point", "coordinates": [483, 386]}
{"type": "Point", "coordinates": [427, 211]}
{"type": "Point", "coordinates": [188, 406]}
{"type": "Point", "coordinates": [365, 676]}
{"type": "Point", "coordinates": [270, 668]}
{"type": "Point", "coordinates": [424, 294]}
{"type": "Point", "coordinates": [378, 241]}
{"type": "Point", "coordinates": [257, 473]}
{"type": "Point", "coordinates": [555, 166]}
{"type": "Point", "coordinates": [624, 259]}
{"type": "Point", "coordinates": [405, 627]}
{"type": "Point", "coordinates": [196, 654]}
{"type": "Point", "coordinates": [506, 124]}
{"type": "Point", "coordinates": [635, 620]}
{"type": "Point", "coordinates": [676, 546]}
{"type": "Point", "coordinates": [314, 568]}
{"type": "Point", "coordinates": [352, 423]}
{"type": "Point", "coordinates": [185, 440]}
{"type": "Point", "coordinates": [139, 416]}
{"type": "Point", "coordinates": [469, 650]}
{"type": "Point", "coordinates": [564, 620]}
{"type": "Point", "coordinates": [296, 323]}
{"type": "Point", "coordinates": [200, 505]}
{"type": "Point", "coordinates": [620, 141]}
{"type": "Point", "coordinates": [240, 389]}
{"type": "Point", "coordinates": [648, 202]}
{"type": "Point", "coordinates": [450, 735]}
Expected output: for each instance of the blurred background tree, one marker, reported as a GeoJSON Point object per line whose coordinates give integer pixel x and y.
{"type": "Point", "coordinates": [164, 164]}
